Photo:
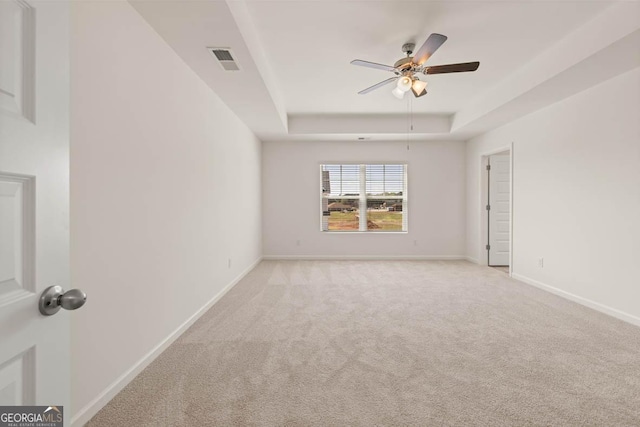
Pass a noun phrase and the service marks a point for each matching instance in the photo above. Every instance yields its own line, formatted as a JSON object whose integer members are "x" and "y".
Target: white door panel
{"x": 503, "y": 188}
{"x": 503, "y": 227}
{"x": 12, "y": 380}
{"x": 500, "y": 212}
{"x": 34, "y": 200}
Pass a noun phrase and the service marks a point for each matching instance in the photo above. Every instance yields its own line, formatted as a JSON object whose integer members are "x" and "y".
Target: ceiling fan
{"x": 405, "y": 69}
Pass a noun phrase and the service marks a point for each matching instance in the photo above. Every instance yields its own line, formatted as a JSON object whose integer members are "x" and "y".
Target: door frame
{"x": 484, "y": 200}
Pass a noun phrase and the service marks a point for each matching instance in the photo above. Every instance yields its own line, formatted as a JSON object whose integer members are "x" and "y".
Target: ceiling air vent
{"x": 225, "y": 58}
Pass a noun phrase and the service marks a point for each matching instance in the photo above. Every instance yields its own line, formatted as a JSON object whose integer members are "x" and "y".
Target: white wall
{"x": 576, "y": 195}
{"x": 165, "y": 189}
{"x": 291, "y": 200}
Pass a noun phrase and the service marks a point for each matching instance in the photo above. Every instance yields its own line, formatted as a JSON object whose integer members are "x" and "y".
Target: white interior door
{"x": 500, "y": 208}
{"x": 34, "y": 200}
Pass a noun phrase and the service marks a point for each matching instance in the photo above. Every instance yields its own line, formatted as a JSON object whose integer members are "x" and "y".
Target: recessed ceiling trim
{"x": 367, "y": 124}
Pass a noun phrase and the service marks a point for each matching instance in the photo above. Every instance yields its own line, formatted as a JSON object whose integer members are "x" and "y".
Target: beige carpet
{"x": 397, "y": 343}
{"x": 504, "y": 269}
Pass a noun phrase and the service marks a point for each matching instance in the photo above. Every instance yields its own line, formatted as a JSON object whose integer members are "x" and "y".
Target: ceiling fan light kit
{"x": 404, "y": 83}
{"x": 398, "y": 93}
{"x": 418, "y": 85}
{"x": 406, "y": 69}
{"x": 418, "y": 94}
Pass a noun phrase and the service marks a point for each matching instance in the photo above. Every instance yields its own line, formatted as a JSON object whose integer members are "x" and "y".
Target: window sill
{"x": 363, "y": 232}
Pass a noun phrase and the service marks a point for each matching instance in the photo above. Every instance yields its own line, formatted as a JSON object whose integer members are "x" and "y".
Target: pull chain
{"x": 409, "y": 121}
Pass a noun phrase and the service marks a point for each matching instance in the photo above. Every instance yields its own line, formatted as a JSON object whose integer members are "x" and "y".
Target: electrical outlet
{"x": 541, "y": 262}
{"x": 229, "y": 263}
{"x": 415, "y": 243}
{"x": 298, "y": 242}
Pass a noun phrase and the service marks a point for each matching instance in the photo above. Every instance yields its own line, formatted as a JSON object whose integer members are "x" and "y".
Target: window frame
{"x": 363, "y": 198}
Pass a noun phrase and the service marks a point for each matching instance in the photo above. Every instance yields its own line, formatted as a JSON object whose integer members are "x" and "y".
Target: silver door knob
{"x": 55, "y": 297}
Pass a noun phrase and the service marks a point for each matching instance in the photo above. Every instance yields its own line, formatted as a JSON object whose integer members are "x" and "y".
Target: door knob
{"x": 55, "y": 297}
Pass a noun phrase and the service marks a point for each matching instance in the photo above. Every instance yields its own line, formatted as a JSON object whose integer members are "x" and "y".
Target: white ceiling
{"x": 310, "y": 44}
{"x": 296, "y": 81}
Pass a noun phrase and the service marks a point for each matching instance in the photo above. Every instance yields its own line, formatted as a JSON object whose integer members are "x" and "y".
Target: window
{"x": 364, "y": 197}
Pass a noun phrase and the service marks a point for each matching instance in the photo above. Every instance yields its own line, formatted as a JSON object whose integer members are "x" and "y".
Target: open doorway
{"x": 497, "y": 202}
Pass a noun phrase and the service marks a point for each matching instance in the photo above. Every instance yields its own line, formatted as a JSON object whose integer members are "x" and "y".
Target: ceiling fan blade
{"x": 377, "y": 85}
{"x": 432, "y": 44}
{"x": 372, "y": 65}
{"x": 452, "y": 68}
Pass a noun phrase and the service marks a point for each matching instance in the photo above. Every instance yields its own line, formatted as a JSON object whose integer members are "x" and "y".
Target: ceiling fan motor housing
{"x": 408, "y": 48}
{"x": 404, "y": 64}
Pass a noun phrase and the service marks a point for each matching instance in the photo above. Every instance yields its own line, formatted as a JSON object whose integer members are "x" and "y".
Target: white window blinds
{"x": 361, "y": 197}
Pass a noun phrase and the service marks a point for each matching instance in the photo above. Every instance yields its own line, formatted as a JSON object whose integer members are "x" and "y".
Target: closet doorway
{"x": 498, "y": 208}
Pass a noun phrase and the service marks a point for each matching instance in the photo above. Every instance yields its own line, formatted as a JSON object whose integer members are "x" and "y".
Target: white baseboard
{"x": 473, "y": 260}
{"x": 92, "y": 408}
{"x": 580, "y": 300}
{"x": 365, "y": 257}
